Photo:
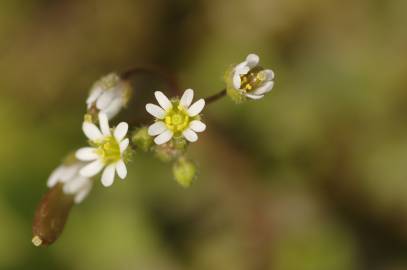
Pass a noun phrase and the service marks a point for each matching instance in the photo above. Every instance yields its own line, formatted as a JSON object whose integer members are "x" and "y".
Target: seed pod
{"x": 51, "y": 215}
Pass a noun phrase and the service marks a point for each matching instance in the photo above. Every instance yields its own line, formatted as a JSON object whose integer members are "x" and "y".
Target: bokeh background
{"x": 312, "y": 177}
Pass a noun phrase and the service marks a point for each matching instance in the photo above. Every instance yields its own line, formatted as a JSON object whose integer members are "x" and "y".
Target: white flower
{"x": 251, "y": 80}
{"x": 109, "y": 95}
{"x": 107, "y": 150}
{"x": 73, "y": 182}
{"x": 176, "y": 118}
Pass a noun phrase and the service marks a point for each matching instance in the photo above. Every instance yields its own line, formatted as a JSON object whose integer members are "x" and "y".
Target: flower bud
{"x": 51, "y": 215}
{"x": 141, "y": 139}
{"x": 184, "y": 171}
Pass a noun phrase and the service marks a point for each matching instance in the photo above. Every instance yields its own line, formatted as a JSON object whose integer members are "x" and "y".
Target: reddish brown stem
{"x": 215, "y": 97}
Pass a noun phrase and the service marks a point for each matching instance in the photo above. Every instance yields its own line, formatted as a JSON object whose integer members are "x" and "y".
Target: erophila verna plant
{"x": 175, "y": 125}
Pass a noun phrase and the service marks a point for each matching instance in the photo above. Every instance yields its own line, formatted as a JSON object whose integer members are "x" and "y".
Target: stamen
{"x": 253, "y": 79}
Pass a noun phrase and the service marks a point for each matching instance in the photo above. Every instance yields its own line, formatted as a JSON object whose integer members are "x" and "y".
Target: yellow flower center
{"x": 109, "y": 150}
{"x": 253, "y": 79}
{"x": 177, "y": 119}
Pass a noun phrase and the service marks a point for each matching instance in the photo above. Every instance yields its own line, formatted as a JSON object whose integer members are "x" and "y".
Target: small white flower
{"x": 73, "y": 182}
{"x": 176, "y": 118}
{"x": 107, "y": 150}
{"x": 251, "y": 80}
{"x": 109, "y": 95}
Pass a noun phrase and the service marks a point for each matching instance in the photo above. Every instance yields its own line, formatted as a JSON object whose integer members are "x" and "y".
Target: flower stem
{"x": 215, "y": 97}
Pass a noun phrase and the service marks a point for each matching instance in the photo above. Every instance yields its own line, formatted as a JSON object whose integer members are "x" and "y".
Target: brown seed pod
{"x": 51, "y": 215}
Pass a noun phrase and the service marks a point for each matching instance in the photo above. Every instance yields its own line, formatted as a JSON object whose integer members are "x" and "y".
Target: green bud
{"x": 50, "y": 216}
{"x": 141, "y": 139}
{"x": 184, "y": 171}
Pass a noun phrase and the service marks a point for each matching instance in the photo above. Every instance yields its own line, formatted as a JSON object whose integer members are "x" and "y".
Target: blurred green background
{"x": 312, "y": 177}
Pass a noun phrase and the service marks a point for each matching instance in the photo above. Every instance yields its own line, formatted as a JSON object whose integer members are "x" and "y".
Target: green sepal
{"x": 235, "y": 94}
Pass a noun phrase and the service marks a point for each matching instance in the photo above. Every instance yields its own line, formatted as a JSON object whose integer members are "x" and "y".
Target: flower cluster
{"x": 177, "y": 122}
{"x": 176, "y": 119}
{"x": 175, "y": 126}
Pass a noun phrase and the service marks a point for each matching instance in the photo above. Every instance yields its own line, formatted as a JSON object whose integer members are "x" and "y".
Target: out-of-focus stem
{"x": 168, "y": 77}
{"x": 215, "y": 97}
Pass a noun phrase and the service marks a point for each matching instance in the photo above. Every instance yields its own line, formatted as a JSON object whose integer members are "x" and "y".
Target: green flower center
{"x": 109, "y": 150}
{"x": 177, "y": 119}
{"x": 253, "y": 79}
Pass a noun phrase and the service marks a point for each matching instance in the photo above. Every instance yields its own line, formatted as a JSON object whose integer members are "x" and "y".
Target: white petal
{"x": 237, "y": 81}
{"x": 81, "y": 195}
{"x": 93, "y": 95}
{"x": 121, "y": 131}
{"x": 242, "y": 69}
{"x": 54, "y": 177}
{"x": 68, "y": 172}
{"x": 105, "y": 99}
{"x": 162, "y": 99}
{"x": 75, "y": 185}
{"x": 121, "y": 169}
{"x": 252, "y": 60}
{"x": 108, "y": 175}
{"x": 86, "y": 154}
{"x": 197, "y": 126}
{"x": 123, "y": 145}
{"x": 114, "y": 108}
{"x": 265, "y": 88}
{"x": 254, "y": 96}
{"x": 164, "y": 137}
{"x": 190, "y": 135}
{"x": 196, "y": 108}
{"x": 157, "y": 128}
{"x": 186, "y": 98}
{"x": 104, "y": 124}
{"x": 92, "y": 168}
{"x": 91, "y": 131}
{"x": 269, "y": 74}
{"x": 155, "y": 111}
